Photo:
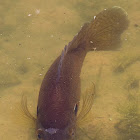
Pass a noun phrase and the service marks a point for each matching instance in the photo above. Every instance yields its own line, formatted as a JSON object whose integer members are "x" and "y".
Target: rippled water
{"x": 33, "y": 33}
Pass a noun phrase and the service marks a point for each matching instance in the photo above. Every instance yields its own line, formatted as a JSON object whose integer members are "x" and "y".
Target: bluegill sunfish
{"x": 59, "y": 95}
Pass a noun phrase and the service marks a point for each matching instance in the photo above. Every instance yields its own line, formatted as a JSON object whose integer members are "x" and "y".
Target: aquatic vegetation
{"x": 23, "y": 69}
{"x": 8, "y": 80}
{"x": 132, "y": 86}
{"x": 129, "y": 124}
{"x": 132, "y": 83}
{"x": 83, "y": 134}
{"x": 125, "y": 62}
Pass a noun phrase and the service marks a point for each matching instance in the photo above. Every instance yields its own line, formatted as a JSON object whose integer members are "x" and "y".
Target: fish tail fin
{"x": 104, "y": 31}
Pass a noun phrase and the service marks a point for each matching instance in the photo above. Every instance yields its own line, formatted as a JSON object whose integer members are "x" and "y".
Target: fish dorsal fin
{"x": 64, "y": 52}
{"x": 86, "y": 104}
{"x": 78, "y": 38}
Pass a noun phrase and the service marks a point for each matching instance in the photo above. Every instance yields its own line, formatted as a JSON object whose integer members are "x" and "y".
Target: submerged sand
{"x": 33, "y": 33}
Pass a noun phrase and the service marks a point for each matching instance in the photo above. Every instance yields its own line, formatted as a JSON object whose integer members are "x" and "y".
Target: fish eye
{"x": 39, "y": 136}
{"x": 39, "y": 133}
{"x": 75, "y": 109}
{"x": 71, "y": 133}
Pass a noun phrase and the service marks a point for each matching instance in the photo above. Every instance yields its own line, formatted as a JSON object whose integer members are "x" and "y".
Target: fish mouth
{"x": 51, "y": 130}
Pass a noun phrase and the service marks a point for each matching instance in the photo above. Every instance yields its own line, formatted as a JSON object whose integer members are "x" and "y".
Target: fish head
{"x": 67, "y": 133}
{"x": 57, "y": 117}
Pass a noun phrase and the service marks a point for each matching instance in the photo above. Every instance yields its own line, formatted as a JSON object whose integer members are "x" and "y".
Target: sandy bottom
{"x": 33, "y": 33}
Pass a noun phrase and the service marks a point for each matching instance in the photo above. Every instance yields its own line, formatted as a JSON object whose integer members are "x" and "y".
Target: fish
{"x": 60, "y": 92}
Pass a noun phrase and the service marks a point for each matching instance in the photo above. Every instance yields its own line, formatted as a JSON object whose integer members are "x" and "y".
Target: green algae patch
{"x": 129, "y": 123}
{"x": 126, "y": 60}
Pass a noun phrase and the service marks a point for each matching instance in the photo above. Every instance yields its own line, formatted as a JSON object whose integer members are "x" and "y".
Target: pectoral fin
{"x": 25, "y": 108}
{"x": 21, "y": 115}
{"x": 87, "y": 104}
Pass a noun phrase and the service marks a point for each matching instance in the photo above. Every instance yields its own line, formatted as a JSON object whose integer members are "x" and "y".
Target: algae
{"x": 125, "y": 61}
{"x": 129, "y": 123}
{"x": 132, "y": 83}
{"x": 23, "y": 69}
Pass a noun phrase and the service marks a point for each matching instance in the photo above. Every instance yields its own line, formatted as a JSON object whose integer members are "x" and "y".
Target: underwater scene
{"x": 33, "y": 34}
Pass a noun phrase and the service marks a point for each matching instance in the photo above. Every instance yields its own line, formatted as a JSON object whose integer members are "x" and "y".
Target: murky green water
{"x": 33, "y": 33}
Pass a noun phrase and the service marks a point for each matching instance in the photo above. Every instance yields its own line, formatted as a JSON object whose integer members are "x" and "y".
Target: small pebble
{"x": 29, "y": 15}
{"x": 110, "y": 119}
{"x": 37, "y": 11}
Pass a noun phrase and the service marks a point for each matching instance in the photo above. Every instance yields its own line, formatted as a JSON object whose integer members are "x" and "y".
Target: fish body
{"x": 60, "y": 91}
{"x": 59, "y": 98}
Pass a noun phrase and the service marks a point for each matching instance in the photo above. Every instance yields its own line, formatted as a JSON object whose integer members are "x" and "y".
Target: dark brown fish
{"x": 60, "y": 91}
{"x": 59, "y": 95}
